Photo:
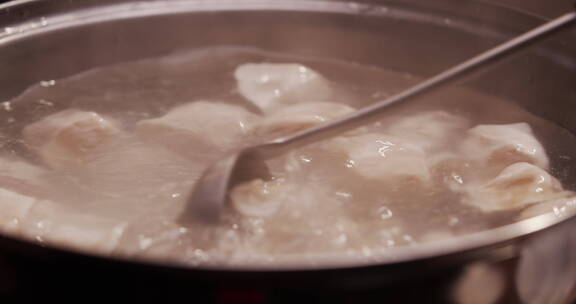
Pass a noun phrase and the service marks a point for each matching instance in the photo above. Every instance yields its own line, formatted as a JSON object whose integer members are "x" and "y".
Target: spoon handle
{"x": 372, "y": 112}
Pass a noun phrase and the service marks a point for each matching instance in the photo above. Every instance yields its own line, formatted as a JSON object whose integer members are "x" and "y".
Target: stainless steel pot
{"x": 533, "y": 261}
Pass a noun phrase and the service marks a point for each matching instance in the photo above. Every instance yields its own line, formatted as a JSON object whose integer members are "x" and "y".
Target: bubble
{"x": 385, "y": 213}
{"x": 7, "y": 106}
{"x": 47, "y": 83}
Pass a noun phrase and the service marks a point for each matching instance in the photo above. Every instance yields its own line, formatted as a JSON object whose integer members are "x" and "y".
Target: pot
{"x": 533, "y": 261}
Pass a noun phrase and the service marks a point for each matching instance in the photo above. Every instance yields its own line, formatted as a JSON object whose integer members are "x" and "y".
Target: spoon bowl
{"x": 211, "y": 193}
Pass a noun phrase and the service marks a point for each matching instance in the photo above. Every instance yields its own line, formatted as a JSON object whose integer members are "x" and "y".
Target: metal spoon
{"x": 211, "y": 190}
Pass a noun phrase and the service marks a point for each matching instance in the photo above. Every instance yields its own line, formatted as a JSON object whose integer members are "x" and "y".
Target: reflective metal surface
{"x": 521, "y": 263}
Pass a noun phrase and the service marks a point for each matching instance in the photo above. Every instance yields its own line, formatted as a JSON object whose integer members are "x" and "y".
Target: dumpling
{"x": 517, "y": 186}
{"x": 14, "y": 207}
{"x": 503, "y": 145}
{"x": 259, "y": 198}
{"x": 153, "y": 237}
{"x": 272, "y": 86}
{"x": 429, "y": 130}
{"x": 298, "y": 117}
{"x": 69, "y": 138}
{"x": 198, "y": 128}
{"x": 452, "y": 170}
{"x": 22, "y": 177}
{"x": 53, "y": 223}
{"x": 19, "y": 169}
{"x": 385, "y": 158}
{"x": 20, "y": 189}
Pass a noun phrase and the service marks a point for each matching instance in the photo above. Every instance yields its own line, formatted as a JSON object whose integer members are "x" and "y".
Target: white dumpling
{"x": 20, "y": 169}
{"x": 259, "y": 198}
{"x": 517, "y": 186}
{"x": 153, "y": 237}
{"x": 198, "y": 128}
{"x": 503, "y": 145}
{"x": 20, "y": 189}
{"x": 55, "y": 224}
{"x": 429, "y": 130}
{"x": 22, "y": 177}
{"x": 452, "y": 170}
{"x": 14, "y": 207}
{"x": 385, "y": 158}
{"x": 272, "y": 86}
{"x": 69, "y": 138}
{"x": 299, "y": 117}
{"x": 132, "y": 178}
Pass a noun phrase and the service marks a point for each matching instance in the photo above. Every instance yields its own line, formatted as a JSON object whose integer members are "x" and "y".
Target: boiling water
{"x": 145, "y": 185}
